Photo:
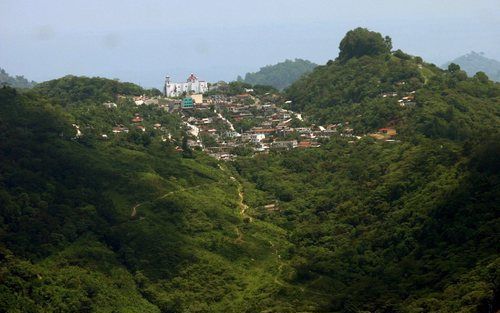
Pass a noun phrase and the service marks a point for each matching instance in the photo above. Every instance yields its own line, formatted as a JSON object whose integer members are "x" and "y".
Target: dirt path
{"x": 280, "y": 266}
{"x": 133, "y": 212}
{"x": 241, "y": 204}
{"x": 241, "y": 201}
{"x": 239, "y": 238}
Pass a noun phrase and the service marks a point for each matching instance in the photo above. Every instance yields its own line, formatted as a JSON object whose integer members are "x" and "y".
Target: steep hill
{"x": 389, "y": 89}
{"x": 124, "y": 223}
{"x": 476, "y": 62}
{"x": 97, "y": 221}
{"x": 404, "y": 225}
{"x": 280, "y": 75}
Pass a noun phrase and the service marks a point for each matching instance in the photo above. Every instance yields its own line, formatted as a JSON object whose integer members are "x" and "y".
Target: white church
{"x": 192, "y": 85}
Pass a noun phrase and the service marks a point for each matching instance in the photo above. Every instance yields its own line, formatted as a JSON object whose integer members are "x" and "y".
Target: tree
{"x": 186, "y": 150}
{"x": 482, "y": 77}
{"x": 388, "y": 42}
{"x": 453, "y": 68}
{"x": 361, "y": 41}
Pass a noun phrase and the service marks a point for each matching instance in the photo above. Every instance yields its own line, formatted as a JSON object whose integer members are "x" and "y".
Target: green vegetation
{"x": 476, "y": 62}
{"x": 360, "y": 42}
{"x": 75, "y": 90}
{"x": 14, "y": 82}
{"x": 404, "y": 226}
{"x": 280, "y": 75}
{"x": 124, "y": 224}
{"x": 129, "y": 223}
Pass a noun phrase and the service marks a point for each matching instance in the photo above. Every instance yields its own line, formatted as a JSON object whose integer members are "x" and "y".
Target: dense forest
{"x": 280, "y": 75}
{"x": 131, "y": 223}
{"x": 474, "y": 62}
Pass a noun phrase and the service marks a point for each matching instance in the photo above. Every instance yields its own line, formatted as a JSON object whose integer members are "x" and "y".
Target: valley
{"x": 368, "y": 185}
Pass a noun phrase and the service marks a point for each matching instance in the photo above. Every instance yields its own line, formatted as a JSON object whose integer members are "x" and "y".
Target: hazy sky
{"x": 142, "y": 41}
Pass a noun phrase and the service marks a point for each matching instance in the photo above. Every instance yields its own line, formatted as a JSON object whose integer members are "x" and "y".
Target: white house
{"x": 192, "y": 85}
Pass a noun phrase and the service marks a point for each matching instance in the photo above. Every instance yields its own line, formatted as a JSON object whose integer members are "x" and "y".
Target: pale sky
{"x": 142, "y": 41}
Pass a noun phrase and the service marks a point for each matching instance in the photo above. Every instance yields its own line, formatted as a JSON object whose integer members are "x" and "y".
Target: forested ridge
{"x": 130, "y": 223}
{"x": 280, "y": 75}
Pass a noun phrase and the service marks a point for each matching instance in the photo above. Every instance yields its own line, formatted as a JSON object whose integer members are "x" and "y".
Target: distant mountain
{"x": 280, "y": 75}
{"x": 15, "y": 82}
{"x": 476, "y": 62}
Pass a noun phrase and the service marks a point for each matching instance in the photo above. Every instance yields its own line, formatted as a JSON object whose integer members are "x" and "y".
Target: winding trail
{"x": 280, "y": 266}
{"x": 133, "y": 212}
{"x": 241, "y": 202}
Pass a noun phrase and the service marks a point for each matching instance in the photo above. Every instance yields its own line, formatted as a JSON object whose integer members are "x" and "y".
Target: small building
{"x": 137, "y": 119}
{"x": 109, "y": 105}
{"x": 384, "y": 134}
{"x": 265, "y": 131}
{"x": 304, "y": 145}
{"x": 391, "y": 132}
{"x": 257, "y": 138}
{"x": 286, "y": 144}
{"x": 197, "y": 98}
{"x": 120, "y": 129}
{"x": 271, "y": 207}
{"x": 187, "y": 103}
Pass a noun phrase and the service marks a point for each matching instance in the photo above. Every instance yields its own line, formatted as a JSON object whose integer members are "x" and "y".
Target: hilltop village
{"x": 227, "y": 125}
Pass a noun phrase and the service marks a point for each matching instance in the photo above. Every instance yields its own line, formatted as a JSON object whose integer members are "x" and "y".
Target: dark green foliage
{"x": 119, "y": 225}
{"x": 360, "y": 42}
{"x": 72, "y": 89}
{"x": 280, "y": 75}
{"x": 130, "y": 224}
{"x": 406, "y": 226}
{"x": 389, "y": 227}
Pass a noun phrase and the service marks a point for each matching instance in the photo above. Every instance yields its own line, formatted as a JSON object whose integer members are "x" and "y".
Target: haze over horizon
{"x": 142, "y": 42}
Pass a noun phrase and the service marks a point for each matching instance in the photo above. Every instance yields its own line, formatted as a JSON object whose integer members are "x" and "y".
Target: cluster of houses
{"x": 221, "y": 124}
{"x": 273, "y": 128}
{"x": 407, "y": 100}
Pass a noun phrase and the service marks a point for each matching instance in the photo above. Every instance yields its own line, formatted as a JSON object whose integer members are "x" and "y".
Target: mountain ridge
{"x": 138, "y": 221}
{"x": 279, "y": 75}
{"x": 474, "y": 62}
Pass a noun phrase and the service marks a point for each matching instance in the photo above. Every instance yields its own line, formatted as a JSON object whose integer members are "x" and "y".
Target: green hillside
{"x": 126, "y": 224}
{"x": 280, "y": 75}
{"x": 406, "y": 225}
{"x": 364, "y": 90}
{"x": 97, "y": 219}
